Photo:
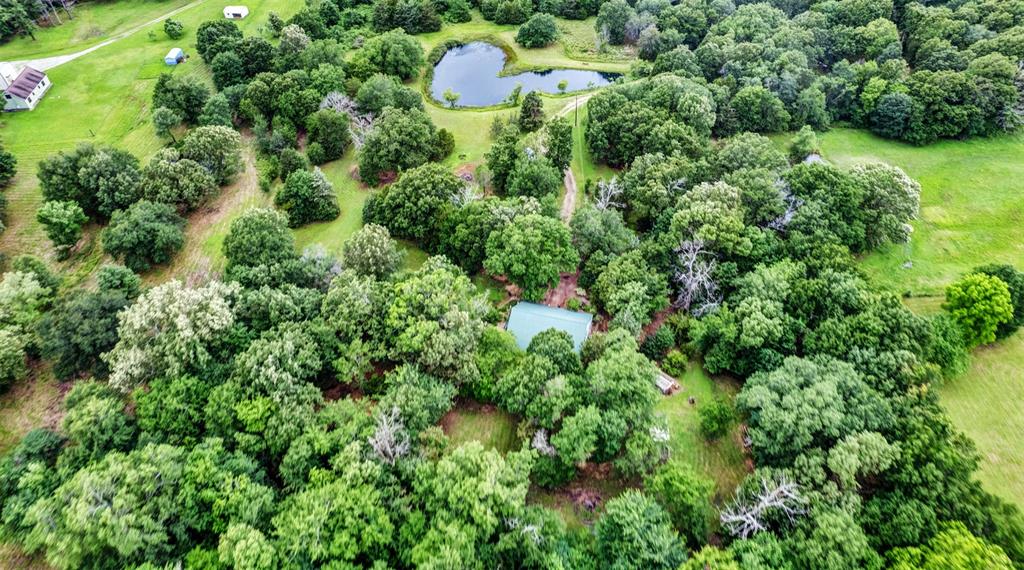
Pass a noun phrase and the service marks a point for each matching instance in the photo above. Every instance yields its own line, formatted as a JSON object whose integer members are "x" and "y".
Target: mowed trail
{"x": 569, "y": 202}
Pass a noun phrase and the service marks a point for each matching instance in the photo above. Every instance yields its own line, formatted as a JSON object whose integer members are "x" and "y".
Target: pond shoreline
{"x": 488, "y": 83}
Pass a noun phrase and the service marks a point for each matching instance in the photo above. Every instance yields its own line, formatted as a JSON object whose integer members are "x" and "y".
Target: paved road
{"x": 45, "y": 63}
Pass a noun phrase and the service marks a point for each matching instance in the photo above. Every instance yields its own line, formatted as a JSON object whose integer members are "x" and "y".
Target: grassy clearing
{"x": 103, "y": 97}
{"x": 721, "y": 460}
{"x": 492, "y": 427}
{"x": 987, "y": 403}
{"x": 583, "y": 165}
{"x": 574, "y": 49}
{"x": 561, "y": 500}
{"x": 351, "y": 197}
{"x": 93, "y": 23}
{"x": 972, "y": 206}
{"x": 31, "y": 403}
{"x": 208, "y": 226}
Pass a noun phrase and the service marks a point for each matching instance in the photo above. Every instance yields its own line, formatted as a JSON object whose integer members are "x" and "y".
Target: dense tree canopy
{"x": 290, "y": 409}
{"x": 531, "y": 251}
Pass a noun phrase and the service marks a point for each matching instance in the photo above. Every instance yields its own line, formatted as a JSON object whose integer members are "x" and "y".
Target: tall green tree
{"x": 532, "y": 252}
{"x": 979, "y": 303}
{"x": 634, "y": 532}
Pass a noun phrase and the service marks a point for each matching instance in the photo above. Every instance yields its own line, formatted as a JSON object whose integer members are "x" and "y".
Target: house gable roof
{"x": 26, "y": 82}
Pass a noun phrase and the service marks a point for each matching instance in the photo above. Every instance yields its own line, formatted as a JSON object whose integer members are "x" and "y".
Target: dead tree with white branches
{"x": 608, "y": 194}
{"x": 694, "y": 275}
{"x": 360, "y": 123}
{"x": 389, "y": 441}
{"x": 750, "y": 510}
{"x": 541, "y": 444}
{"x": 793, "y": 204}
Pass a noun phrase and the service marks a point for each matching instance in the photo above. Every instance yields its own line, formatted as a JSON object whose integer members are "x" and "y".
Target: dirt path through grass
{"x": 45, "y": 63}
{"x": 569, "y": 203}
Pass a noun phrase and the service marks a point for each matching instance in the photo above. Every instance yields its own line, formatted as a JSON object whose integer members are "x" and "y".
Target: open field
{"x": 972, "y": 206}
{"x": 987, "y": 403}
{"x": 93, "y": 22}
{"x": 103, "y": 97}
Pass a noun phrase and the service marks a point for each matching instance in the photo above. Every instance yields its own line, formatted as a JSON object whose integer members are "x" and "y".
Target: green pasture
{"x": 102, "y": 97}
{"x": 972, "y": 206}
{"x": 972, "y": 212}
{"x": 987, "y": 403}
{"x": 92, "y": 23}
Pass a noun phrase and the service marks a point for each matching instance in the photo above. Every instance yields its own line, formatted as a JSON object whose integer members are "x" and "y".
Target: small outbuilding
{"x": 527, "y": 320}
{"x": 174, "y": 57}
{"x": 23, "y": 91}
{"x": 235, "y": 12}
{"x": 667, "y": 384}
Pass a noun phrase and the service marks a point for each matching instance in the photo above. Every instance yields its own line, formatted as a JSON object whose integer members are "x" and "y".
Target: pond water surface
{"x": 471, "y": 70}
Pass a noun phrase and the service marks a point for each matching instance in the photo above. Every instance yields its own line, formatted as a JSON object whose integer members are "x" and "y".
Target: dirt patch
{"x": 559, "y": 295}
{"x": 339, "y": 391}
{"x": 659, "y": 319}
{"x": 466, "y": 172}
{"x": 569, "y": 202}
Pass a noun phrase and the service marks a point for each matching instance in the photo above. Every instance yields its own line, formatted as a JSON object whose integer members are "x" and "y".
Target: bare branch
{"x": 390, "y": 440}
{"x": 608, "y": 194}
{"x": 793, "y": 204}
{"x": 540, "y": 443}
{"x": 698, "y": 290}
{"x": 360, "y": 123}
{"x": 746, "y": 515}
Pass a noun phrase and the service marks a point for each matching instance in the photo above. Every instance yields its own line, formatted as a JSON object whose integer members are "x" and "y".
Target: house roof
{"x": 527, "y": 320}
{"x": 26, "y": 82}
{"x": 175, "y": 52}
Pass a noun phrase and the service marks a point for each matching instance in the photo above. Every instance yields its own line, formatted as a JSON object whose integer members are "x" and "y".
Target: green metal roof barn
{"x": 529, "y": 319}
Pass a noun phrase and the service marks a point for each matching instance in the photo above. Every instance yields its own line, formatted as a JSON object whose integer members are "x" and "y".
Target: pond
{"x": 472, "y": 70}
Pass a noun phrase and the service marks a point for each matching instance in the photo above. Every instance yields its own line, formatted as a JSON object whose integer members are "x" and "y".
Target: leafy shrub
{"x": 539, "y": 31}
{"x": 716, "y": 417}
{"x": 315, "y": 154}
{"x": 656, "y": 345}
{"x": 675, "y": 363}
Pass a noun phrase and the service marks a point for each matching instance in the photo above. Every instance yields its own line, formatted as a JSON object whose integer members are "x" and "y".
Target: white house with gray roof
{"x": 22, "y": 90}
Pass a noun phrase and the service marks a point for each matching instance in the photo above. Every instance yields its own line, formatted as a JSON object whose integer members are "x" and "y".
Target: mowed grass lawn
{"x": 721, "y": 460}
{"x": 987, "y": 403}
{"x": 491, "y": 426}
{"x": 972, "y": 206}
{"x": 103, "y": 97}
{"x": 93, "y": 22}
